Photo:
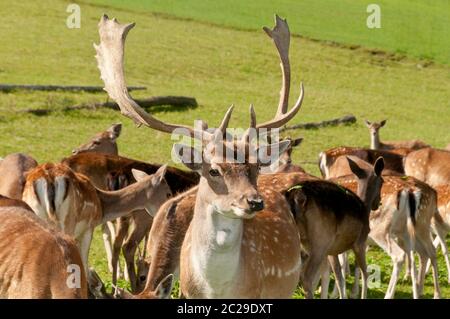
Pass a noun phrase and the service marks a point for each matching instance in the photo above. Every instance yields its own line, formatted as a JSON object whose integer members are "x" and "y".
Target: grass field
{"x": 418, "y": 28}
{"x": 220, "y": 65}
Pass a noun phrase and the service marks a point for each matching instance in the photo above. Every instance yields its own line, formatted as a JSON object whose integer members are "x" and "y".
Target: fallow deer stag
{"x": 70, "y": 202}
{"x": 401, "y": 225}
{"x": 109, "y": 172}
{"x": 395, "y": 146}
{"x": 36, "y": 260}
{"x": 103, "y": 142}
{"x": 429, "y": 165}
{"x": 223, "y": 253}
{"x": 328, "y": 166}
{"x": 13, "y": 170}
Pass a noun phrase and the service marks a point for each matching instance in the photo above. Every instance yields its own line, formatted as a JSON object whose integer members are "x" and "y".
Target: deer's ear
{"x": 164, "y": 289}
{"x": 270, "y": 153}
{"x": 378, "y": 166}
{"x": 115, "y": 130}
{"x": 138, "y": 175}
{"x": 189, "y": 156}
{"x": 368, "y": 124}
{"x": 358, "y": 171}
{"x": 382, "y": 123}
{"x": 296, "y": 142}
{"x": 159, "y": 175}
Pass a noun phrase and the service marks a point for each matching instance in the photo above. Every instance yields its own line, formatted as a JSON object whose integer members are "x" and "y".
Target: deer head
{"x": 228, "y": 165}
{"x": 162, "y": 291}
{"x": 374, "y": 129}
{"x": 103, "y": 142}
{"x": 369, "y": 181}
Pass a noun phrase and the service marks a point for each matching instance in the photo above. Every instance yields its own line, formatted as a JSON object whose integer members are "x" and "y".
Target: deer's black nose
{"x": 256, "y": 204}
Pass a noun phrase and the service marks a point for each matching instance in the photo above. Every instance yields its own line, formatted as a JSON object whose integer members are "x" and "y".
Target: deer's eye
{"x": 142, "y": 278}
{"x": 214, "y": 172}
{"x": 169, "y": 195}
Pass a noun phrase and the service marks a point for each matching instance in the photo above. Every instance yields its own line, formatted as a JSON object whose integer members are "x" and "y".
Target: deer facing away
{"x": 36, "y": 260}
{"x": 71, "y": 203}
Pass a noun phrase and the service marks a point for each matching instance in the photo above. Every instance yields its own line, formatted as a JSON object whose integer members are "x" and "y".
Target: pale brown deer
{"x": 429, "y": 165}
{"x": 284, "y": 163}
{"x": 13, "y": 170}
{"x": 111, "y": 172}
{"x": 401, "y": 225}
{"x": 69, "y": 201}
{"x": 37, "y": 261}
{"x": 223, "y": 251}
{"x": 103, "y": 142}
{"x": 376, "y": 144}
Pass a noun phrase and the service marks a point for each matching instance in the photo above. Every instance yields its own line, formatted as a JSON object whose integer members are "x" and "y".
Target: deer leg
{"x": 397, "y": 255}
{"x": 325, "y": 282}
{"x": 84, "y": 245}
{"x": 345, "y": 266}
{"x": 336, "y": 267}
{"x": 122, "y": 230}
{"x": 407, "y": 267}
{"x": 440, "y": 239}
{"x": 310, "y": 272}
{"x": 107, "y": 242}
{"x": 426, "y": 250}
{"x": 142, "y": 223}
{"x": 360, "y": 257}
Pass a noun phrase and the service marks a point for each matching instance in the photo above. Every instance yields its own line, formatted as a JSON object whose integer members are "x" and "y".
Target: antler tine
{"x": 226, "y": 119}
{"x": 284, "y": 118}
{"x": 110, "y": 53}
{"x": 281, "y": 37}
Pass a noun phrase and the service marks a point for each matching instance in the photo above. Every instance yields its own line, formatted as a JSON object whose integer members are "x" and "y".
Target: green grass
{"x": 218, "y": 66}
{"x": 419, "y": 28}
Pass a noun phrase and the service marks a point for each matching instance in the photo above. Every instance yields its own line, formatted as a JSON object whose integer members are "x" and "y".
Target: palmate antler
{"x": 110, "y": 56}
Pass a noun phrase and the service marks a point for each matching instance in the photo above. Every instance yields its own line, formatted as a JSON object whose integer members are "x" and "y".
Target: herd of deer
{"x": 227, "y": 229}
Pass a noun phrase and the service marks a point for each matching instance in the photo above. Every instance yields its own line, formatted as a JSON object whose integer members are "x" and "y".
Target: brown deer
{"x": 103, "y": 142}
{"x": 13, "y": 170}
{"x": 429, "y": 165}
{"x": 332, "y": 220}
{"x": 401, "y": 225}
{"x": 328, "y": 166}
{"x": 70, "y": 202}
{"x": 111, "y": 172}
{"x": 376, "y": 144}
{"x": 36, "y": 260}
{"x": 223, "y": 251}
{"x": 284, "y": 163}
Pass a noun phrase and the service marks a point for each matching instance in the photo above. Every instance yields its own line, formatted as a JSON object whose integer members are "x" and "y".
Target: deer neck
{"x": 119, "y": 203}
{"x": 215, "y": 249}
{"x": 375, "y": 141}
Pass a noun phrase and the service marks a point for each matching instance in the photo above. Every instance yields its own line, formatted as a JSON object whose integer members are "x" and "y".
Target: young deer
{"x": 401, "y": 225}
{"x": 332, "y": 220}
{"x": 71, "y": 203}
{"x": 109, "y": 172}
{"x": 13, "y": 170}
{"x": 103, "y": 142}
{"x": 223, "y": 251}
{"x": 376, "y": 144}
{"x": 36, "y": 260}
